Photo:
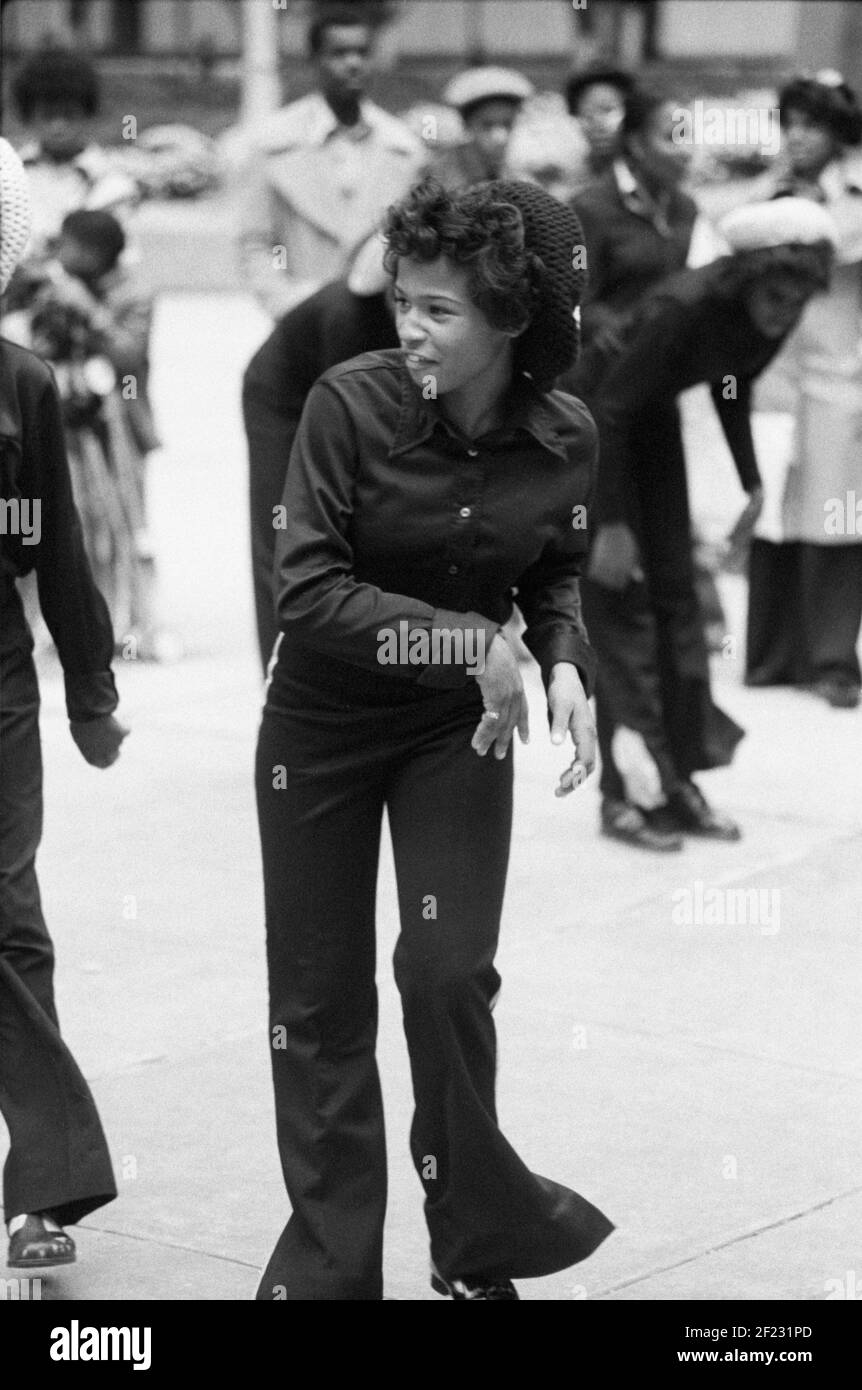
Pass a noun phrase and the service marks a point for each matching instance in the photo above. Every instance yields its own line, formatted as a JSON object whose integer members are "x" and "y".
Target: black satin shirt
{"x": 391, "y": 515}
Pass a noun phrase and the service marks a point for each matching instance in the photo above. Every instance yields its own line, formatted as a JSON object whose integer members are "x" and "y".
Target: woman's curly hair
{"x": 477, "y": 232}
{"x": 516, "y": 243}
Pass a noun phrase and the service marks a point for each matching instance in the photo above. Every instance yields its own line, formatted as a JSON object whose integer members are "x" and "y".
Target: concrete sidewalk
{"x": 700, "y": 1081}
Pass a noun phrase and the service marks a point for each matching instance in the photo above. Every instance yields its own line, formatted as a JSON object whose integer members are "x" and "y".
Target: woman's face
{"x": 775, "y": 302}
{"x": 447, "y": 341}
{"x": 600, "y": 111}
{"x": 490, "y": 128}
{"x": 657, "y": 148}
{"x": 809, "y": 143}
{"x": 60, "y": 128}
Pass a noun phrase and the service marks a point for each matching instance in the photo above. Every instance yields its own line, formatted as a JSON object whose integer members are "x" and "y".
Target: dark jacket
{"x": 329, "y": 327}
{"x": 35, "y": 483}
{"x": 630, "y": 246}
{"x": 690, "y": 331}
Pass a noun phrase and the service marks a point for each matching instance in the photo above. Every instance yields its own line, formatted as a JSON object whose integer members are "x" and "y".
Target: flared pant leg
{"x": 320, "y": 807}
{"x": 58, "y": 1159}
{"x": 322, "y": 781}
{"x": 450, "y": 814}
{"x": 804, "y": 612}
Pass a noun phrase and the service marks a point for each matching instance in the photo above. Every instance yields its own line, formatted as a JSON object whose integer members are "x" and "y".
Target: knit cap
{"x": 552, "y": 231}
{"x": 15, "y": 215}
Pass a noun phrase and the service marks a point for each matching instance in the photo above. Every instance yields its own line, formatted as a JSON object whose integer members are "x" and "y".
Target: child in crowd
{"x": 91, "y": 318}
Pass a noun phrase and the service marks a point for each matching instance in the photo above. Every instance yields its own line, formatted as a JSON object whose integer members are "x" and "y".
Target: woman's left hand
{"x": 569, "y": 711}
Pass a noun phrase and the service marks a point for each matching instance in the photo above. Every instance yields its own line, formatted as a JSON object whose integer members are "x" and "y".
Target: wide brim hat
{"x": 15, "y": 212}
{"x": 553, "y": 233}
{"x": 476, "y": 85}
{"x": 826, "y": 98}
{"x": 779, "y": 222}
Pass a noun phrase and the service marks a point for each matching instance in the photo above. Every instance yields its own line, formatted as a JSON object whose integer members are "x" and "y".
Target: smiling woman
{"x": 424, "y": 485}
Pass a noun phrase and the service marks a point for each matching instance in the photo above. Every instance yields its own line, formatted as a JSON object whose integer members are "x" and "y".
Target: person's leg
{"x": 450, "y": 815}
{"x": 699, "y": 735}
{"x": 831, "y": 584}
{"x": 623, "y": 631}
{"x": 320, "y": 811}
{"x": 775, "y": 649}
{"x": 58, "y": 1159}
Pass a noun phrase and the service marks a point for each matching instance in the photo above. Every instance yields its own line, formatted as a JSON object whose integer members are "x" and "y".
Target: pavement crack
{"x": 750, "y": 1234}
{"x": 168, "y": 1245}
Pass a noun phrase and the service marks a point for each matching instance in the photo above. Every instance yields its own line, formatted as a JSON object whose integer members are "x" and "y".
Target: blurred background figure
{"x": 805, "y": 573}
{"x": 722, "y": 322}
{"x": 637, "y": 222}
{"x": 596, "y": 97}
{"x": 90, "y": 318}
{"x": 489, "y": 101}
{"x": 339, "y": 321}
{"x": 321, "y": 170}
{"x": 57, "y": 95}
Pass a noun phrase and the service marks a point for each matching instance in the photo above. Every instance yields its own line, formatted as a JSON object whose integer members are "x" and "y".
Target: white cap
{"x": 15, "y": 214}
{"x": 487, "y": 84}
{"x": 780, "y": 222}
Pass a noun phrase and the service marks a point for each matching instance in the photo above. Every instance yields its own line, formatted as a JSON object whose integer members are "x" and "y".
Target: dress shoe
{"x": 35, "y": 1246}
{"x": 624, "y": 821}
{"x": 687, "y": 810}
{"x": 496, "y": 1289}
{"x": 840, "y": 694}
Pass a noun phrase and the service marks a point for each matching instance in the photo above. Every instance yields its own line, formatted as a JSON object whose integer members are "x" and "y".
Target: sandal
{"x": 35, "y": 1246}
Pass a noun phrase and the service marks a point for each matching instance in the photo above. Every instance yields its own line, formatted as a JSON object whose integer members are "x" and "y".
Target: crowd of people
{"x": 465, "y": 420}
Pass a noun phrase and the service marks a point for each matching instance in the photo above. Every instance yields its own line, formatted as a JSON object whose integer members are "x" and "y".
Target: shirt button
{"x": 472, "y": 453}
{"x": 465, "y": 512}
{"x": 453, "y": 569}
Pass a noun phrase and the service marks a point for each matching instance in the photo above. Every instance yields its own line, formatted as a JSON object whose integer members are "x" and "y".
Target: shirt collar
{"x": 526, "y": 410}
{"x": 636, "y": 198}
{"x": 324, "y": 124}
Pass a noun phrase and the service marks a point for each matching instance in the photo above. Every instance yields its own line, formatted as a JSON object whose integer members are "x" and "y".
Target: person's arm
{"x": 549, "y": 592}
{"x": 276, "y": 287}
{"x": 74, "y": 610}
{"x": 318, "y": 597}
{"x": 732, "y": 402}
{"x": 274, "y": 388}
{"x": 595, "y": 314}
{"x": 122, "y": 332}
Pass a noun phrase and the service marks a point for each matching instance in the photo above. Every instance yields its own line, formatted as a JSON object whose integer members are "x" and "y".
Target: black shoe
{"x": 624, "y": 821}
{"x": 688, "y": 811}
{"x": 34, "y": 1246}
{"x": 496, "y": 1289}
{"x": 840, "y": 694}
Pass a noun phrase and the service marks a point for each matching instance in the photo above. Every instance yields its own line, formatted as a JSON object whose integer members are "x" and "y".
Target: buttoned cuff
{"x": 460, "y": 643}
{"x": 90, "y": 696}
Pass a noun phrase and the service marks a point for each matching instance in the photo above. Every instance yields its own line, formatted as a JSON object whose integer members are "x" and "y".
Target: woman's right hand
{"x": 505, "y": 701}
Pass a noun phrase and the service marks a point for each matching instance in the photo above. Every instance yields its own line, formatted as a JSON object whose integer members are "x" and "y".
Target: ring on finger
{"x": 491, "y": 714}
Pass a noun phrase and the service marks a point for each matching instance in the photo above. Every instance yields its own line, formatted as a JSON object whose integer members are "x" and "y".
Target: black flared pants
{"x": 804, "y": 613}
{"x": 334, "y": 750}
{"x": 653, "y": 672}
{"x": 58, "y": 1159}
